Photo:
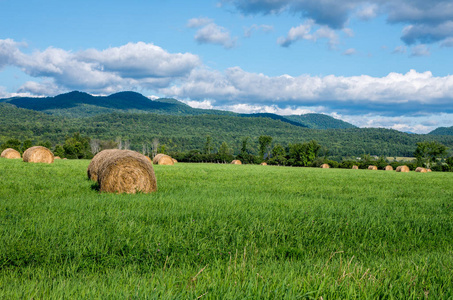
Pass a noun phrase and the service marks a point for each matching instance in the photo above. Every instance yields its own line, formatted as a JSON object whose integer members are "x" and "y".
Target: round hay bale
{"x": 57, "y": 157}
{"x": 325, "y": 166}
{"x": 157, "y": 157}
{"x": 388, "y": 168}
{"x": 263, "y": 163}
{"x": 403, "y": 169}
{"x": 174, "y": 160}
{"x": 96, "y": 161}
{"x": 428, "y": 170}
{"x": 10, "y": 153}
{"x": 165, "y": 160}
{"x": 38, "y": 154}
{"x": 236, "y": 162}
{"x": 148, "y": 158}
{"x": 125, "y": 171}
{"x": 372, "y": 167}
{"x": 355, "y": 167}
{"x": 421, "y": 170}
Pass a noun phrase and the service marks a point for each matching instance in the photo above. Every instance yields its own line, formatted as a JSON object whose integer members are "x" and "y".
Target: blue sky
{"x": 382, "y": 63}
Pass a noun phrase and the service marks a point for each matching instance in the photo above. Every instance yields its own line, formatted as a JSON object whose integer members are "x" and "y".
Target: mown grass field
{"x": 226, "y": 232}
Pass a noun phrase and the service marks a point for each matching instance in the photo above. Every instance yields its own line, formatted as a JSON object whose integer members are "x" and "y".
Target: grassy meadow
{"x": 226, "y": 231}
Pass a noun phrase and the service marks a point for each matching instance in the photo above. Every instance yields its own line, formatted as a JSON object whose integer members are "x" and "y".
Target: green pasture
{"x": 226, "y": 232}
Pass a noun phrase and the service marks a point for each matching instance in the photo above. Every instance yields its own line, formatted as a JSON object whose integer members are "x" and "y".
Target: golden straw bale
{"x": 165, "y": 160}
{"x": 388, "y": 168}
{"x": 174, "y": 160}
{"x": 157, "y": 157}
{"x": 97, "y": 160}
{"x": 57, "y": 157}
{"x": 421, "y": 170}
{"x": 372, "y": 167}
{"x": 148, "y": 158}
{"x": 38, "y": 154}
{"x": 236, "y": 162}
{"x": 355, "y": 167}
{"x": 126, "y": 171}
{"x": 263, "y": 163}
{"x": 10, "y": 153}
{"x": 325, "y": 166}
{"x": 428, "y": 170}
{"x": 404, "y": 169}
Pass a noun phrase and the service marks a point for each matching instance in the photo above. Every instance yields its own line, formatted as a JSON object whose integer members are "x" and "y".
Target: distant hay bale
{"x": 10, "y": 153}
{"x": 428, "y": 170}
{"x": 421, "y": 170}
{"x": 236, "y": 162}
{"x": 174, "y": 160}
{"x": 148, "y": 158}
{"x": 355, "y": 167}
{"x": 165, "y": 160}
{"x": 372, "y": 167}
{"x": 38, "y": 154}
{"x": 157, "y": 157}
{"x": 57, "y": 157}
{"x": 388, "y": 168}
{"x": 263, "y": 163}
{"x": 96, "y": 161}
{"x": 126, "y": 171}
{"x": 325, "y": 166}
{"x": 403, "y": 169}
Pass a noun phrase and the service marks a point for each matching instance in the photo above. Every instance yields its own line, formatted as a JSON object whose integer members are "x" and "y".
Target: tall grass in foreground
{"x": 226, "y": 231}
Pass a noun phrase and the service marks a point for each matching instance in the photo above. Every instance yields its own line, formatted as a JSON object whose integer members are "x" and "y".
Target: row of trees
{"x": 309, "y": 154}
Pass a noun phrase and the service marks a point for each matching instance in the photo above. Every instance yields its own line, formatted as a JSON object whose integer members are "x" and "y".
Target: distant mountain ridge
{"x": 442, "y": 131}
{"x": 79, "y": 104}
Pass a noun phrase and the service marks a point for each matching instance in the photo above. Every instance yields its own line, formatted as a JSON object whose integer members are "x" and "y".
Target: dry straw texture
{"x": 404, "y": 169}
{"x": 97, "y": 160}
{"x": 388, "y": 168}
{"x": 421, "y": 170}
{"x": 372, "y": 167}
{"x": 10, "y": 153}
{"x": 355, "y": 167}
{"x": 236, "y": 162}
{"x": 165, "y": 160}
{"x": 325, "y": 166}
{"x": 38, "y": 154}
{"x": 263, "y": 164}
{"x": 174, "y": 160}
{"x": 125, "y": 171}
{"x": 157, "y": 157}
{"x": 428, "y": 170}
{"x": 57, "y": 157}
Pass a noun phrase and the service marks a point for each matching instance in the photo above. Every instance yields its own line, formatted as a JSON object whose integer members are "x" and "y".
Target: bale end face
{"x": 236, "y": 162}
{"x": 10, "y": 153}
{"x": 38, "y": 154}
{"x": 404, "y": 169}
{"x": 372, "y": 168}
{"x": 325, "y": 166}
{"x": 126, "y": 172}
{"x": 388, "y": 168}
{"x": 355, "y": 167}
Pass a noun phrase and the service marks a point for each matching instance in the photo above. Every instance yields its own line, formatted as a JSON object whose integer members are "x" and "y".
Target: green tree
{"x": 427, "y": 153}
{"x": 11, "y": 143}
{"x": 449, "y": 162}
{"x": 265, "y": 142}
{"x": 208, "y": 145}
{"x": 278, "y": 156}
{"x": 59, "y": 151}
{"x": 27, "y": 144}
{"x": 224, "y": 153}
{"x": 77, "y": 146}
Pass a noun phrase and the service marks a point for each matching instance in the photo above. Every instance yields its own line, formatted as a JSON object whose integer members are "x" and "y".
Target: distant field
{"x": 400, "y": 158}
{"x": 226, "y": 231}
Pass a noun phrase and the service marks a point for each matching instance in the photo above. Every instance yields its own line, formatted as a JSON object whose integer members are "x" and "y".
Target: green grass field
{"x": 226, "y": 232}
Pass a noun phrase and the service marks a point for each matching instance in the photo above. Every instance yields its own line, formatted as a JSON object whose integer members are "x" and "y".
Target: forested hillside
{"x": 442, "y": 131}
{"x": 181, "y": 133}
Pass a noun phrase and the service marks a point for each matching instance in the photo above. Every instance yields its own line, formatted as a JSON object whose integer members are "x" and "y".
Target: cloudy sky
{"x": 380, "y": 63}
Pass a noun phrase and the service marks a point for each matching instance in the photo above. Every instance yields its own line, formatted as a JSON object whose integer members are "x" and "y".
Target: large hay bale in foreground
{"x": 421, "y": 170}
{"x": 236, "y": 162}
{"x": 403, "y": 169}
{"x": 125, "y": 171}
{"x": 388, "y": 168}
{"x": 96, "y": 161}
{"x": 325, "y": 166}
{"x": 372, "y": 167}
{"x": 354, "y": 167}
{"x": 38, "y": 154}
{"x": 10, "y": 153}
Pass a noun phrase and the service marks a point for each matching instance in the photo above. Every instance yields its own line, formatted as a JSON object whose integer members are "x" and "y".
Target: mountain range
{"x": 79, "y": 104}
